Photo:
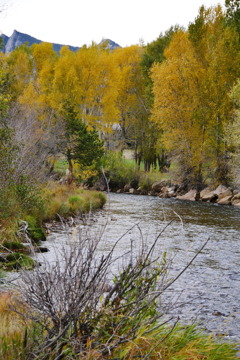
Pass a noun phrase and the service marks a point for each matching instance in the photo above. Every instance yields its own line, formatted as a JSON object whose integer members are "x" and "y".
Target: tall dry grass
{"x": 12, "y": 328}
{"x": 69, "y": 200}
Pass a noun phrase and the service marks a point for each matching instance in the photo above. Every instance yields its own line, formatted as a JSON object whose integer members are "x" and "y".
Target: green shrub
{"x": 13, "y": 245}
{"x": 36, "y": 232}
{"x": 17, "y": 261}
{"x": 29, "y": 196}
{"x": 118, "y": 170}
{"x": 64, "y": 209}
{"x": 101, "y": 197}
{"x": 76, "y": 203}
{"x": 60, "y": 166}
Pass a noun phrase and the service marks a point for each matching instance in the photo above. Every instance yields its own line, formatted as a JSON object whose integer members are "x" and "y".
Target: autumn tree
{"x": 191, "y": 94}
{"x": 232, "y": 134}
{"x": 151, "y": 149}
{"x": 127, "y": 86}
{"x": 154, "y": 53}
{"x": 176, "y": 104}
{"x": 85, "y": 79}
{"x": 29, "y": 114}
{"x": 217, "y": 48}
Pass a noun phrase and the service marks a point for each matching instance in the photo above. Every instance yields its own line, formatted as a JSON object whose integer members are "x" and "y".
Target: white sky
{"x": 78, "y": 22}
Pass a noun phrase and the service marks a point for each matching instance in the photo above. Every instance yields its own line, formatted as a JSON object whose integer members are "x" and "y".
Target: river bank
{"x": 221, "y": 195}
{"x": 23, "y": 236}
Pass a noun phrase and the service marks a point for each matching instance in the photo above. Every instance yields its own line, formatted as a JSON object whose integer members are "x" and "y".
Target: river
{"x": 208, "y": 293}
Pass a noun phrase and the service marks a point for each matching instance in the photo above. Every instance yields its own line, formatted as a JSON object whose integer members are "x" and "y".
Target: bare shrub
{"x": 79, "y": 307}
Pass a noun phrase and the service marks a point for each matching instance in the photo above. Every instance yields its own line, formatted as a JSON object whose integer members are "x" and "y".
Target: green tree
{"x": 1, "y": 43}
{"x": 7, "y": 147}
{"x": 79, "y": 144}
{"x": 233, "y": 14}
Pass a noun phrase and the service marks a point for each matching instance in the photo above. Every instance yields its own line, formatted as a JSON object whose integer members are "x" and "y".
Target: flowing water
{"x": 208, "y": 292}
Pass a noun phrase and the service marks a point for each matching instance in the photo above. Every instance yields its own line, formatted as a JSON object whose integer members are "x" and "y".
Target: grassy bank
{"x": 27, "y": 224}
{"x": 69, "y": 200}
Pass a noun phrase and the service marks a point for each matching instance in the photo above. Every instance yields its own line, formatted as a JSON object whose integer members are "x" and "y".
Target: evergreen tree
{"x": 79, "y": 143}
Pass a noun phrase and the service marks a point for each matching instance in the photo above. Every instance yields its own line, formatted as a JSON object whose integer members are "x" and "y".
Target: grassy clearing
{"x": 65, "y": 200}
{"x": 121, "y": 171}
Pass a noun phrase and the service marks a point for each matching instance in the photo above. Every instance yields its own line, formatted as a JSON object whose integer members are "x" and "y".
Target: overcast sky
{"x": 78, "y": 22}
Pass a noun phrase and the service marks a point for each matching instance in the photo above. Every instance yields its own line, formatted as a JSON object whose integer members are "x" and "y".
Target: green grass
{"x": 180, "y": 343}
{"x": 60, "y": 166}
{"x": 68, "y": 200}
{"x": 16, "y": 261}
{"x": 17, "y": 339}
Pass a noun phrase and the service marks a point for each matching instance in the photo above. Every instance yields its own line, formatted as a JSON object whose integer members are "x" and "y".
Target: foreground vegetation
{"x": 181, "y": 343}
{"x": 76, "y": 309}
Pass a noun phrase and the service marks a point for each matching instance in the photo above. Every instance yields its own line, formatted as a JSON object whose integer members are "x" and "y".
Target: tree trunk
{"x": 70, "y": 167}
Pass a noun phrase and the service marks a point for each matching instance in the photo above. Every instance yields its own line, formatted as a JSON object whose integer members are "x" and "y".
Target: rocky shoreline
{"x": 221, "y": 195}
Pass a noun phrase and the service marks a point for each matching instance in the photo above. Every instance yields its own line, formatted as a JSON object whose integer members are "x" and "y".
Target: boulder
{"x": 224, "y": 194}
{"x": 100, "y": 186}
{"x": 172, "y": 191}
{"x": 182, "y": 188}
{"x": 126, "y": 188}
{"x": 164, "y": 190}
{"x": 208, "y": 194}
{"x": 143, "y": 192}
{"x": 225, "y": 201}
{"x": 236, "y": 196}
{"x": 236, "y": 203}
{"x": 220, "y": 189}
{"x": 164, "y": 195}
{"x": 157, "y": 186}
{"x": 190, "y": 195}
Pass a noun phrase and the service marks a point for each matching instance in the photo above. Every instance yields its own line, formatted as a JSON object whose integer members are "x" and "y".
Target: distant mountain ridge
{"x": 17, "y": 38}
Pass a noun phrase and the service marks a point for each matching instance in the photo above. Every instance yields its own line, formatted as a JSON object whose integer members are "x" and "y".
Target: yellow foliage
{"x": 176, "y": 88}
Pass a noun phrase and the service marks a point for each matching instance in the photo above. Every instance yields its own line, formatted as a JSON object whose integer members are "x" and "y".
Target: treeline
{"x": 173, "y": 100}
